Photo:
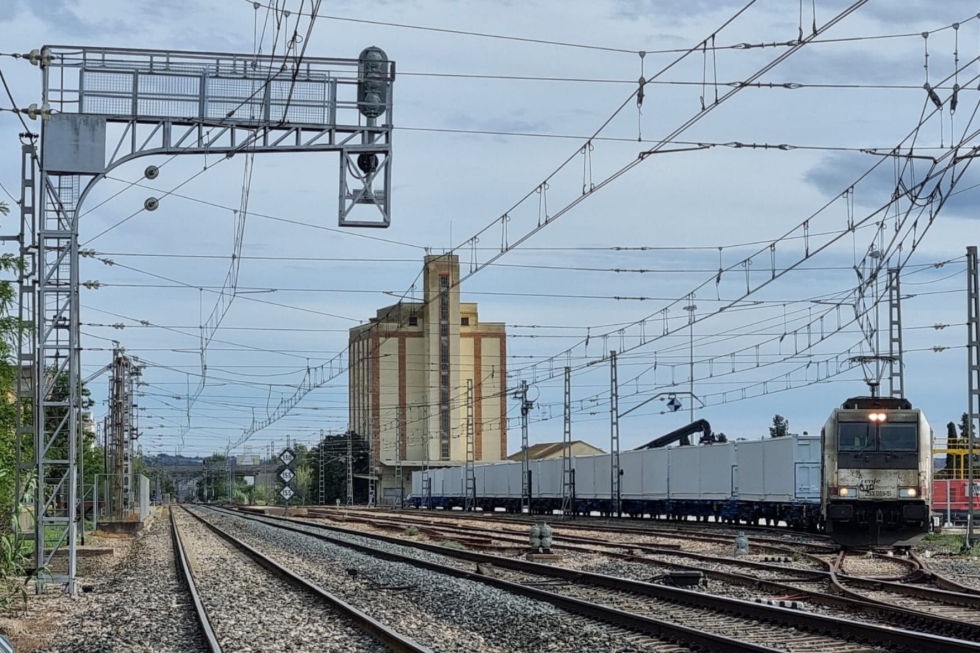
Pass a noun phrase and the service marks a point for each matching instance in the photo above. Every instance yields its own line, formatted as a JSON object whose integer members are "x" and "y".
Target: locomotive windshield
{"x": 898, "y": 437}
{"x": 856, "y": 436}
{"x": 868, "y": 436}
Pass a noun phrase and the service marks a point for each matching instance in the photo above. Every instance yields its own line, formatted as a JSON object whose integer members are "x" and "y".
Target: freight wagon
{"x": 776, "y": 479}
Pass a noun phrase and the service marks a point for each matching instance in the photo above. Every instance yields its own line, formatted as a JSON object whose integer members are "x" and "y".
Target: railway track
{"x": 765, "y": 625}
{"x": 936, "y": 611}
{"x": 232, "y": 600}
{"x": 922, "y": 598}
{"x": 682, "y": 530}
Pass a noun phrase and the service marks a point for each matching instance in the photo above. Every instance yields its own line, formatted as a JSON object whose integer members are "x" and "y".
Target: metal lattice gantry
{"x": 103, "y": 107}
{"x": 896, "y": 369}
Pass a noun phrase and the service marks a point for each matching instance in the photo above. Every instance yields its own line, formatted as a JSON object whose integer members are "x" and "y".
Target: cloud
{"x": 838, "y": 171}
{"x": 918, "y": 10}
{"x": 671, "y": 10}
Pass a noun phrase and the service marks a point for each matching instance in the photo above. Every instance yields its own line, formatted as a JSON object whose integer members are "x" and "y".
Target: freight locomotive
{"x": 877, "y": 473}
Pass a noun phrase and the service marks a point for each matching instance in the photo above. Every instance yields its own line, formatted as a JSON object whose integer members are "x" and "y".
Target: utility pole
{"x": 323, "y": 482}
{"x": 426, "y": 479}
{"x": 398, "y": 460}
{"x": 371, "y": 488}
{"x": 614, "y": 494}
{"x": 568, "y": 489}
{"x": 973, "y": 370}
{"x": 690, "y": 308}
{"x": 470, "y": 501}
{"x": 896, "y": 368}
{"x": 525, "y": 460}
{"x": 119, "y": 437}
{"x": 350, "y": 466}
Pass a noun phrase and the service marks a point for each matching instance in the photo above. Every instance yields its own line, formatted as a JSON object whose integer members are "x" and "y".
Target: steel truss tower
{"x": 470, "y": 501}
{"x": 973, "y": 387}
{"x": 614, "y": 493}
{"x": 156, "y": 102}
{"x": 399, "y": 478}
{"x": 121, "y": 434}
{"x": 567, "y": 474}
{"x": 320, "y": 477}
{"x": 896, "y": 368}
{"x": 350, "y": 466}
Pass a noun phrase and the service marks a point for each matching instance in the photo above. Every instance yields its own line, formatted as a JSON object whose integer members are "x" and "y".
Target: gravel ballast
{"x": 448, "y": 614}
{"x": 139, "y": 606}
{"x": 253, "y": 610}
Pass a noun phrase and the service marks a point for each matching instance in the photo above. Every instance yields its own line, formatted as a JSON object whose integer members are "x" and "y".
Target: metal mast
{"x": 568, "y": 487}
{"x": 323, "y": 482}
{"x": 350, "y": 466}
{"x": 896, "y": 369}
{"x": 614, "y": 435}
{"x": 26, "y": 338}
{"x": 470, "y": 502}
{"x": 526, "y": 406}
{"x": 120, "y": 436}
{"x": 426, "y": 480}
{"x": 973, "y": 369}
{"x": 399, "y": 424}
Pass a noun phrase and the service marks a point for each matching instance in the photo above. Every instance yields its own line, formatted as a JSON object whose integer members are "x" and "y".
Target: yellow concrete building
{"x": 409, "y": 370}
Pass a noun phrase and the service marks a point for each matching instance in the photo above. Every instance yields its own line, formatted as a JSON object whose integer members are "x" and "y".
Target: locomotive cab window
{"x": 898, "y": 437}
{"x": 856, "y": 436}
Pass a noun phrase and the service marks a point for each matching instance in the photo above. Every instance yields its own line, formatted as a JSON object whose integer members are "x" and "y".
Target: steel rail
{"x": 184, "y": 567}
{"x": 761, "y": 542}
{"x": 943, "y": 582}
{"x": 843, "y": 628}
{"x": 390, "y": 638}
{"x": 631, "y": 621}
{"x": 844, "y": 599}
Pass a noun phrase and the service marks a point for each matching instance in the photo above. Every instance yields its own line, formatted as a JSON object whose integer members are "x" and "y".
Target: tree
{"x": 334, "y": 448}
{"x": 779, "y": 428}
{"x": 965, "y": 427}
{"x": 953, "y": 461}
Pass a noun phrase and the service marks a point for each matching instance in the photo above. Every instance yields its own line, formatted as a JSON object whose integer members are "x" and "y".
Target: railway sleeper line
{"x": 958, "y": 620}
{"x": 815, "y": 624}
{"x": 387, "y": 638}
{"x": 776, "y": 545}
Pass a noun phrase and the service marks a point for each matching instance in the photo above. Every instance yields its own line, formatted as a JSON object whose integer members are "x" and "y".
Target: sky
{"x": 479, "y": 124}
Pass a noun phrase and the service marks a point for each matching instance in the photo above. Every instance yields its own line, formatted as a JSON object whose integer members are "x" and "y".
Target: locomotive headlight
{"x": 847, "y": 492}
{"x": 908, "y": 492}
{"x": 877, "y": 417}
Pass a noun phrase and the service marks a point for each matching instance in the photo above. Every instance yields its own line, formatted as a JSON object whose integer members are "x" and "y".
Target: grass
{"x": 411, "y": 530}
{"x": 453, "y": 544}
{"x": 951, "y": 543}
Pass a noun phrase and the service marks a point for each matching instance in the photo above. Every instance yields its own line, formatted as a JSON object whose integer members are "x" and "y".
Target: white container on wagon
{"x": 779, "y": 469}
{"x": 547, "y": 478}
{"x": 685, "y": 473}
{"x": 631, "y": 482}
{"x": 717, "y": 464}
{"x": 656, "y": 466}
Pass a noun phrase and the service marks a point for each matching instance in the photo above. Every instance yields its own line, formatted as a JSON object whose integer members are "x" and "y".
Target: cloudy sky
{"x": 480, "y": 123}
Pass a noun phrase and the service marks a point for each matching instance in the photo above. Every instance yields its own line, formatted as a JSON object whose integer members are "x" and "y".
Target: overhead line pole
{"x": 973, "y": 385}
